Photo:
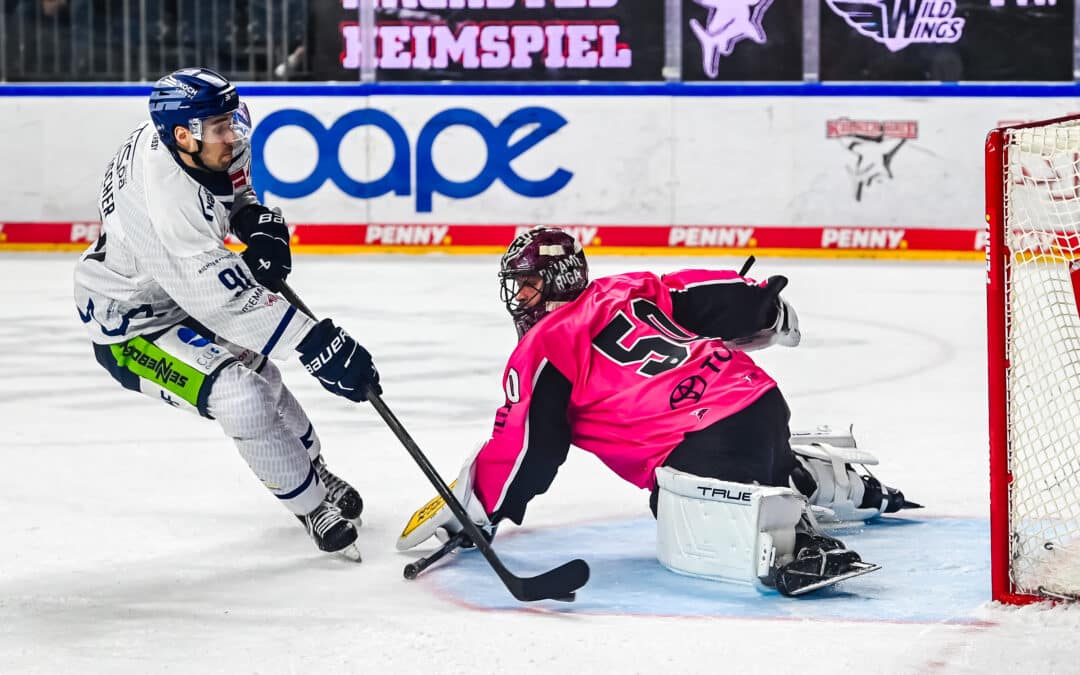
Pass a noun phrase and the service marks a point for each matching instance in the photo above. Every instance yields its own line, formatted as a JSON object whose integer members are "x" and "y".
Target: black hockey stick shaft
{"x": 745, "y": 268}
{"x": 555, "y": 584}
{"x": 413, "y": 569}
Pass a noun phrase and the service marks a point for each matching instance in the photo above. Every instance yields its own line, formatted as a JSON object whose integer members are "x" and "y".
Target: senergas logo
{"x": 504, "y": 142}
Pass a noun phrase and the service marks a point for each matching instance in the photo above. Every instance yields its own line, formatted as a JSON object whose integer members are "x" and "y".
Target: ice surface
{"x": 135, "y": 539}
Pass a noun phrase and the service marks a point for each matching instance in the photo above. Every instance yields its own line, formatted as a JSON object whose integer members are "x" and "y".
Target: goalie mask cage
{"x": 1033, "y": 338}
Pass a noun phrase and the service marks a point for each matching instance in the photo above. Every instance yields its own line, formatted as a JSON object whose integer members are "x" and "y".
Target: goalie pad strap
{"x": 838, "y": 490}
{"x": 838, "y": 437}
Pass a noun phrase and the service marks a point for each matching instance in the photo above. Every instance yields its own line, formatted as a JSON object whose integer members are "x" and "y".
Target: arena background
{"x": 670, "y": 134}
{"x": 779, "y": 128}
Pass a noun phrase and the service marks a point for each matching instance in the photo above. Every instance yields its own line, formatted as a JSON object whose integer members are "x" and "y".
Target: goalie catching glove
{"x": 436, "y": 518}
{"x": 777, "y": 315}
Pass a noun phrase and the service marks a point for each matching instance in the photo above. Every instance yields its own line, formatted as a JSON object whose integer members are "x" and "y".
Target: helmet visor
{"x": 231, "y": 128}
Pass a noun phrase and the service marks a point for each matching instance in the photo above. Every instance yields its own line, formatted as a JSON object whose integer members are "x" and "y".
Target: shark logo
{"x": 729, "y": 22}
{"x": 899, "y": 23}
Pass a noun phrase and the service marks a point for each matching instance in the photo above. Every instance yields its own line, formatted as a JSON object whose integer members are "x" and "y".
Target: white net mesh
{"x": 1042, "y": 224}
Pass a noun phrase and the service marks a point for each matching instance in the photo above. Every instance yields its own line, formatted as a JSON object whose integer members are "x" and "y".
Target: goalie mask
{"x": 542, "y": 268}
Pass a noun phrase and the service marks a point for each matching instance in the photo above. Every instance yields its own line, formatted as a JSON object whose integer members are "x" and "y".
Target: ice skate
{"x": 809, "y": 535}
{"x": 331, "y": 531}
{"x": 340, "y": 493}
{"x": 820, "y": 561}
{"x": 815, "y": 568}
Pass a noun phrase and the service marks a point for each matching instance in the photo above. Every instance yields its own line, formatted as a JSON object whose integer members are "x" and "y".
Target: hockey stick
{"x": 413, "y": 569}
{"x": 746, "y": 266}
{"x": 559, "y": 583}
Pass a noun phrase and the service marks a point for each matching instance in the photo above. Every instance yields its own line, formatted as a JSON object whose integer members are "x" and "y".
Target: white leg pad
{"x": 723, "y": 530}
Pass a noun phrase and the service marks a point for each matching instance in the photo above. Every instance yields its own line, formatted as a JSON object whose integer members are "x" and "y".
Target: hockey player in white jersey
{"x": 174, "y": 314}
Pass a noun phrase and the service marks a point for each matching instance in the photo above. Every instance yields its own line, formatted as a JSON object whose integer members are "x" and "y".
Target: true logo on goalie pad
{"x": 724, "y": 493}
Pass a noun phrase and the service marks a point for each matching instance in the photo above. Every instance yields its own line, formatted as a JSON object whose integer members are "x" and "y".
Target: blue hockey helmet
{"x": 190, "y": 95}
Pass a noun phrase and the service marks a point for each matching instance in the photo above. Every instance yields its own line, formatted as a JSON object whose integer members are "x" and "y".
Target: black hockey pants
{"x": 753, "y": 445}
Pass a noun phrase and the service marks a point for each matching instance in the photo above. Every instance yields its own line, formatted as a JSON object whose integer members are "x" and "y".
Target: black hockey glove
{"x": 769, "y": 301}
{"x": 267, "y": 238}
{"x": 776, "y": 319}
{"x": 340, "y": 364}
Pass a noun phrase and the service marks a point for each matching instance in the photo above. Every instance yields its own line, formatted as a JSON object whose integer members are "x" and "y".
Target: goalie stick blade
{"x": 858, "y": 570}
{"x": 557, "y": 584}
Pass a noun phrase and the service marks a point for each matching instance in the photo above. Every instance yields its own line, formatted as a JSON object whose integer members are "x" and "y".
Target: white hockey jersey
{"x": 161, "y": 256}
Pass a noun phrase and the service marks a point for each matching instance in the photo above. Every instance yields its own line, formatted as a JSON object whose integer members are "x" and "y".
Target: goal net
{"x": 1033, "y": 266}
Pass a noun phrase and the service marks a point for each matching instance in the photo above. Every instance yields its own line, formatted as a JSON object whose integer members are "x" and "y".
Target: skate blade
{"x": 860, "y": 569}
{"x": 350, "y": 552}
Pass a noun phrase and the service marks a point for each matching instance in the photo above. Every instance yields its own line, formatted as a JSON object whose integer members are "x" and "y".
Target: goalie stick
{"x": 413, "y": 569}
{"x": 559, "y": 583}
{"x": 747, "y": 265}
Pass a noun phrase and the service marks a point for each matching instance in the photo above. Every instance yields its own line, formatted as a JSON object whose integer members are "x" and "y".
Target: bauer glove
{"x": 267, "y": 237}
{"x": 340, "y": 364}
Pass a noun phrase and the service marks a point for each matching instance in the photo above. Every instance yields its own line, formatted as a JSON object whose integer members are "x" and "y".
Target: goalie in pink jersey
{"x": 650, "y": 374}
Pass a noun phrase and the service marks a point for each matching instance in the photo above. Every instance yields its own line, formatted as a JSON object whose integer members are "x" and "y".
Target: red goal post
{"x": 1033, "y": 340}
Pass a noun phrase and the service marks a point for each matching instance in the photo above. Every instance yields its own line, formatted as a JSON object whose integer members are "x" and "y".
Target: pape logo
{"x": 900, "y": 23}
{"x": 873, "y": 144}
{"x": 728, "y": 23}
{"x": 518, "y": 133}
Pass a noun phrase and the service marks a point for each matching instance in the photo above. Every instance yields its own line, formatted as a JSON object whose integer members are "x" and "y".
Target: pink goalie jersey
{"x": 614, "y": 374}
